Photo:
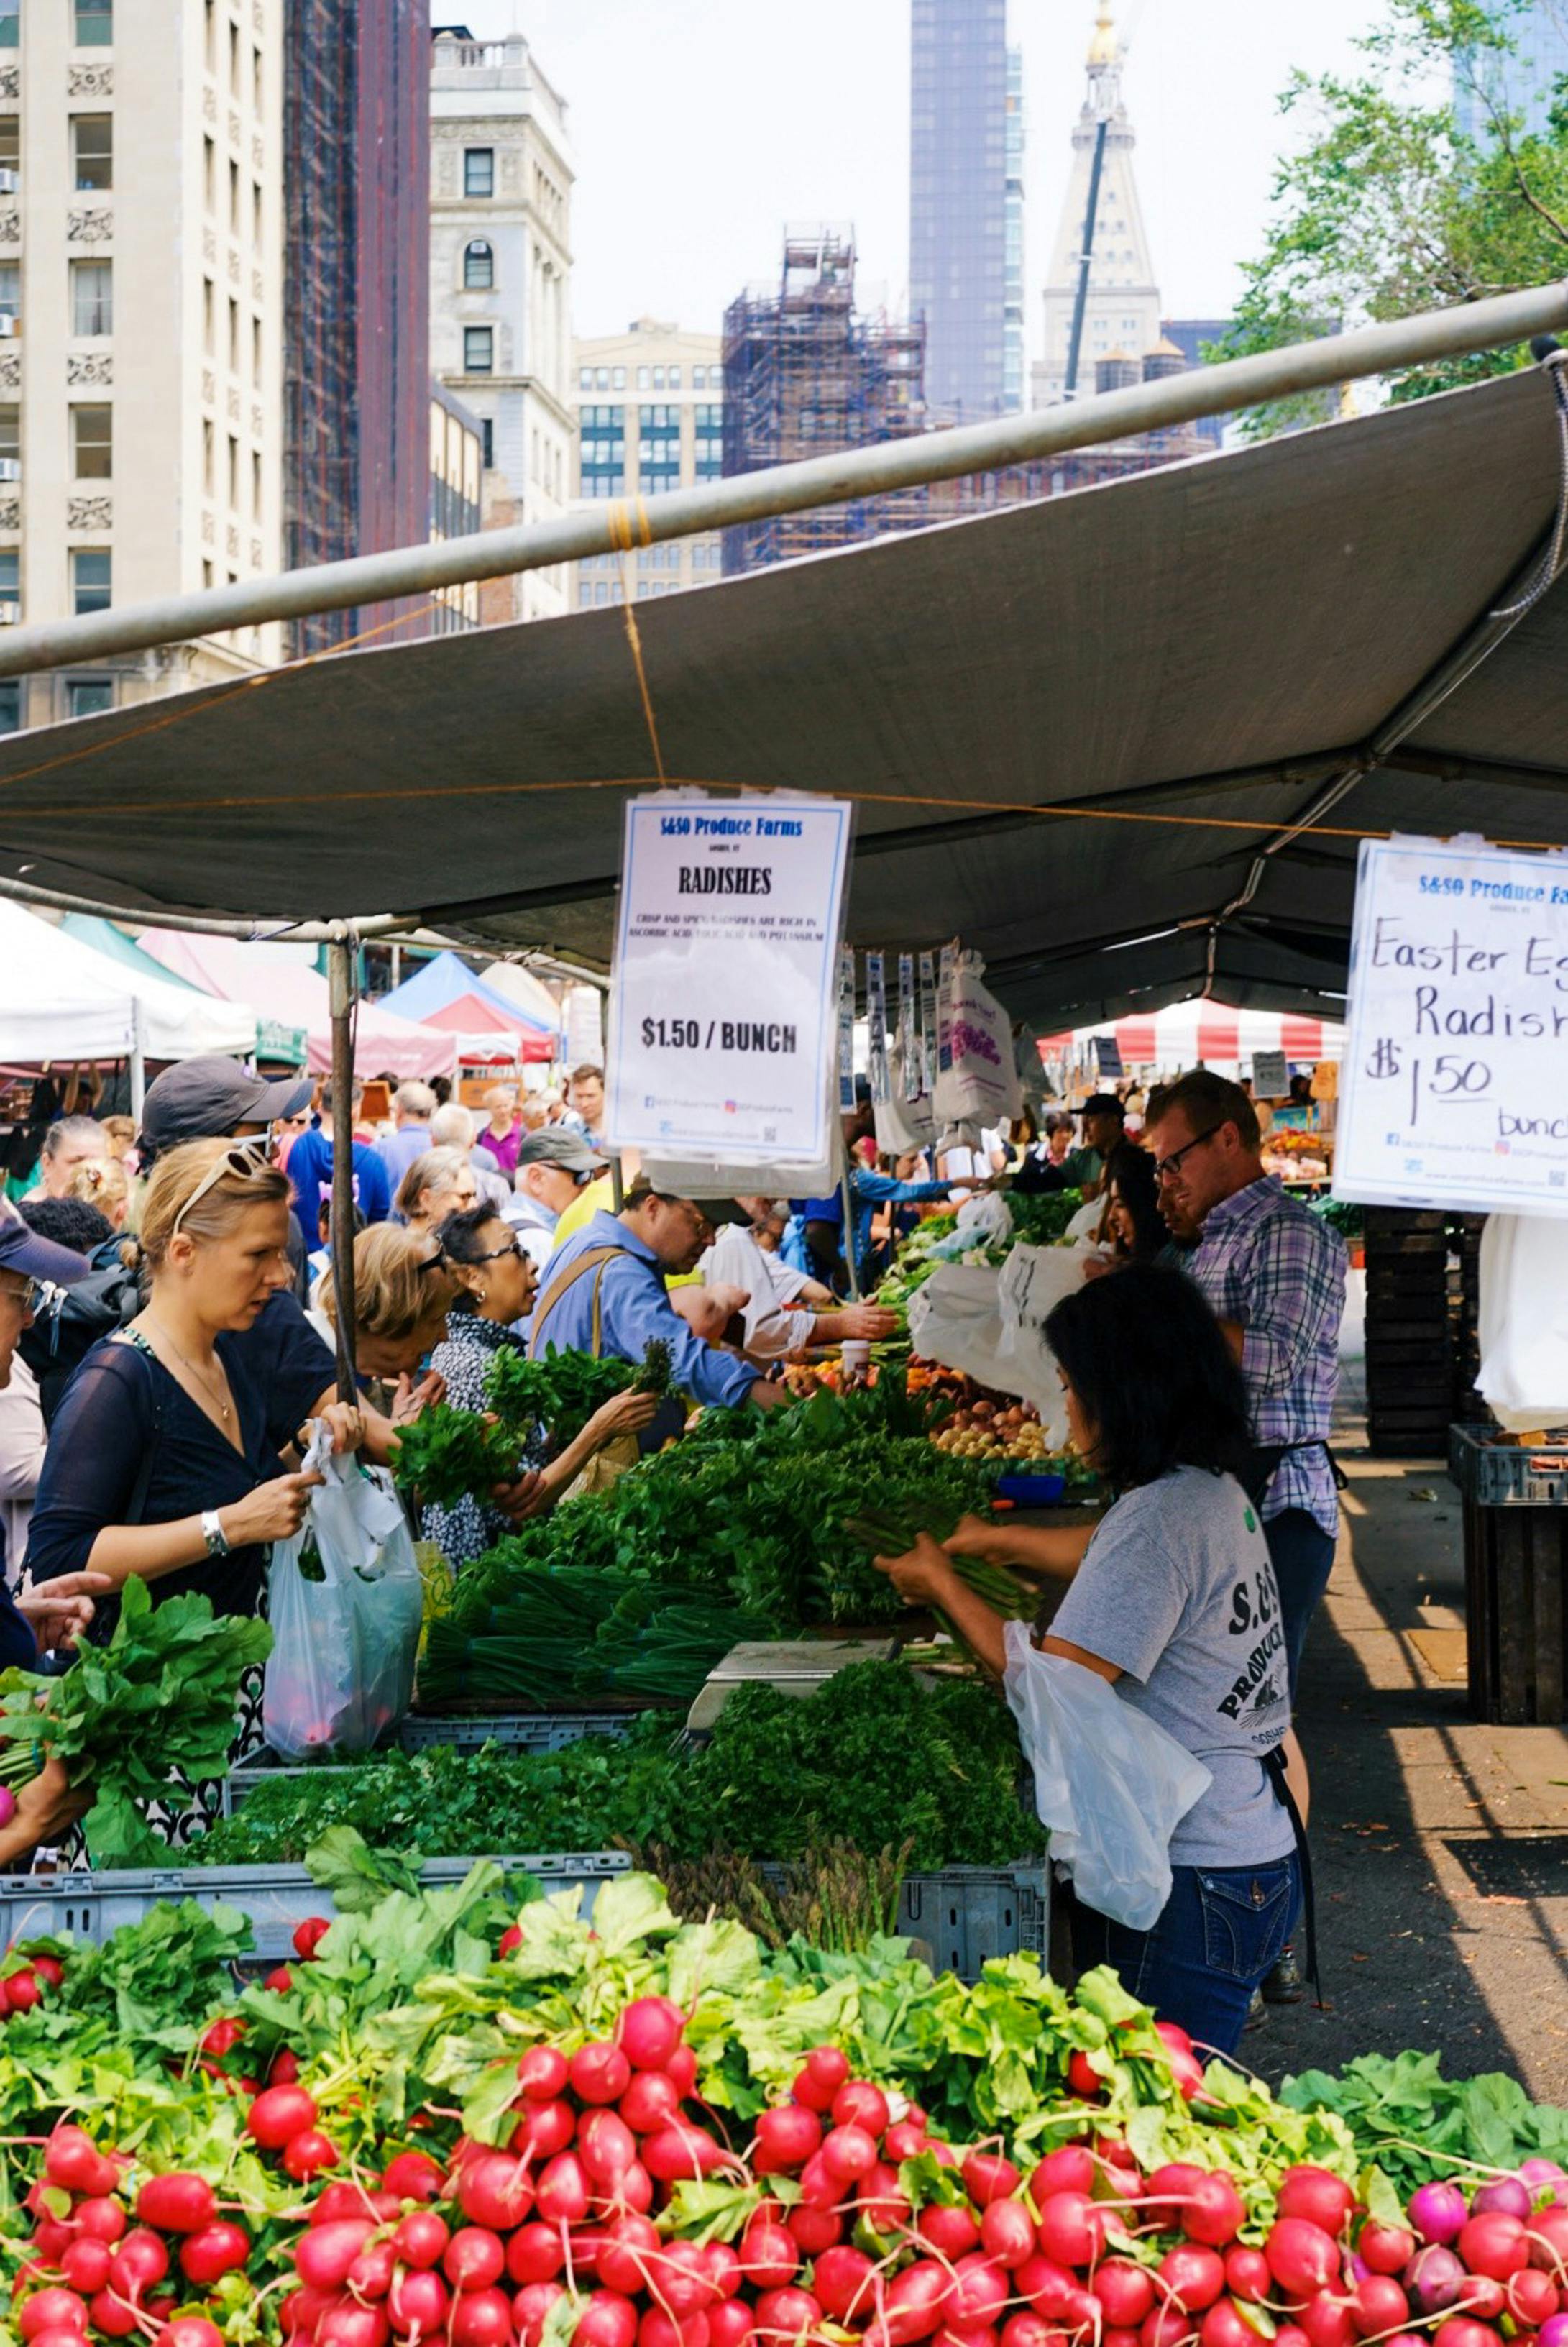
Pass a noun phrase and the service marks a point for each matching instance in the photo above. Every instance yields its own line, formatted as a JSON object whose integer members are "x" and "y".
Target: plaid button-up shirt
{"x": 1268, "y": 1262}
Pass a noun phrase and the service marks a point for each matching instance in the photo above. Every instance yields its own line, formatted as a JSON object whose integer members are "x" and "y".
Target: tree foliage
{"x": 1388, "y": 207}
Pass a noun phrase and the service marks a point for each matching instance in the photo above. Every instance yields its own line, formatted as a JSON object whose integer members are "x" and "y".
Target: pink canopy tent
{"x": 1212, "y": 1032}
{"x": 283, "y": 982}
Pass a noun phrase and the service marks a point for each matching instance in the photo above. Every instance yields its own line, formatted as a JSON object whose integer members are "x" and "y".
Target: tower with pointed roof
{"x": 1122, "y": 311}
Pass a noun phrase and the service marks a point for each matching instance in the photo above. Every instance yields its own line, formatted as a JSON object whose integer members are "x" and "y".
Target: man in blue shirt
{"x": 413, "y": 1106}
{"x": 603, "y": 1292}
{"x": 310, "y": 1169}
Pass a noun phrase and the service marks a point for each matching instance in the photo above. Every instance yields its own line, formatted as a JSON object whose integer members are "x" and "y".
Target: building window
{"x": 657, "y": 378}
{"x": 10, "y": 296}
{"x": 90, "y": 696}
{"x": 10, "y": 442}
{"x": 602, "y": 378}
{"x": 255, "y": 487}
{"x": 478, "y": 349}
{"x": 256, "y": 353}
{"x": 255, "y": 215}
{"x": 233, "y": 474}
{"x": 92, "y": 443}
{"x": 487, "y": 441}
{"x": 11, "y": 686}
{"x": 233, "y": 337}
{"x": 207, "y": 446}
{"x": 478, "y": 266}
{"x": 92, "y": 149}
{"x": 585, "y": 378}
{"x": 10, "y": 584}
{"x": 618, "y": 378}
{"x": 11, "y": 144}
{"x": 90, "y": 578}
{"x": 10, "y": 26}
{"x": 95, "y": 23}
{"x": 674, "y": 378}
{"x": 209, "y": 174}
{"x": 92, "y": 297}
{"x": 478, "y": 171}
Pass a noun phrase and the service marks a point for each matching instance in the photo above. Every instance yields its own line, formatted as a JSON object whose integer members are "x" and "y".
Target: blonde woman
{"x": 404, "y": 1288}
{"x": 440, "y": 1182}
{"x": 103, "y": 1182}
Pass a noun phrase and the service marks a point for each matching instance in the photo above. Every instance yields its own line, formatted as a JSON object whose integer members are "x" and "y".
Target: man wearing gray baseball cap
{"x": 213, "y": 1098}
{"x": 555, "y": 1173}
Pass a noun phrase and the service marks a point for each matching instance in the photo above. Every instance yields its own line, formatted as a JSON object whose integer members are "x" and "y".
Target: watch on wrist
{"x": 213, "y": 1533}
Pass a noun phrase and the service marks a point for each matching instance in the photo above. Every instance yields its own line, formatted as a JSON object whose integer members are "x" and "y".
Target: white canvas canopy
{"x": 59, "y": 999}
{"x": 1213, "y": 1034}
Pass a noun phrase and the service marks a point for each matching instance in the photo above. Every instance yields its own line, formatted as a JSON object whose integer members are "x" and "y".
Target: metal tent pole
{"x": 137, "y": 1059}
{"x": 1504, "y": 320}
{"x": 341, "y": 961}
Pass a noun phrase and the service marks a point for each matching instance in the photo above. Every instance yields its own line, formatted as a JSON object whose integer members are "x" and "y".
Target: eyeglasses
{"x": 1168, "y": 1169}
{"x": 499, "y": 1254}
{"x": 247, "y": 1161}
{"x": 29, "y": 1294}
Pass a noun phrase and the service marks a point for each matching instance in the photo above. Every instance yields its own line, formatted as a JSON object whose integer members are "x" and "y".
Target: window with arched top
{"x": 479, "y": 265}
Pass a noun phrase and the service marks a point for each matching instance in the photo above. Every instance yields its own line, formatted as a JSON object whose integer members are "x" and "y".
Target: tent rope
{"x": 623, "y": 540}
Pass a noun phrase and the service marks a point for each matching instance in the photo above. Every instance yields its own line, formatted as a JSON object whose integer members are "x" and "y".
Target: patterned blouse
{"x": 470, "y": 1526}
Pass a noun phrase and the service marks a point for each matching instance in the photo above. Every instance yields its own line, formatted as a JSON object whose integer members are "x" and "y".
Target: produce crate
{"x": 1515, "y": 1569}
{"x": 969, "y": 1913}
{"x": 1502, "y": 1475}
{"x": 276, "y": 1898}
{"x": 521, "y": 1731}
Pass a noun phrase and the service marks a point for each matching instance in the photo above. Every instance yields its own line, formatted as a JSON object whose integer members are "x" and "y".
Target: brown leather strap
{"x": 592, "y": 1259}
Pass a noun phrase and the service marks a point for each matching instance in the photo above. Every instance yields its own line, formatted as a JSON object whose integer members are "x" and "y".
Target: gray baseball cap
{"x": 22, "y": 1250}
{"x": 554, "y": 1145}
{"x": 210, "y": 1097}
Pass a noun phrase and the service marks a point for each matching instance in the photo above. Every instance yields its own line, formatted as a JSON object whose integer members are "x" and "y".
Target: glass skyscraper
{"x": 962, "y": 168}
{"x": 1522, "y": 85}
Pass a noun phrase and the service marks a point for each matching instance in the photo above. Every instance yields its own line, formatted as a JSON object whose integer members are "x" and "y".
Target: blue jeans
{"x": 1302, "y": 1555}
{"x": 1222, "y": 1930}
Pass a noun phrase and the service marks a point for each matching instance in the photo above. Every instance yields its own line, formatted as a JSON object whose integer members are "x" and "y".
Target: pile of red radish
{"x": 844, "y": 2221}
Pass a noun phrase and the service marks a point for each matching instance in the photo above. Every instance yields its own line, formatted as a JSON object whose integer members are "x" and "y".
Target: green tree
{"x": 1387, "y": 208}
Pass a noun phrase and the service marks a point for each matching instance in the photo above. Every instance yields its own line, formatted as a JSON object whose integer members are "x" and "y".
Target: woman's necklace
{"x": 200, "y": 1377}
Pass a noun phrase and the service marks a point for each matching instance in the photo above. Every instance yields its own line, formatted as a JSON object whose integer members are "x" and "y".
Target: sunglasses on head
{"x": 243, "y": 1160}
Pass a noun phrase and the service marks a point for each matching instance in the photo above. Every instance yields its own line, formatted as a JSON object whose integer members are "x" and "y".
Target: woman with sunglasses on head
{"x": 498, "y": 1280}
{"x": 160, "y": 1462}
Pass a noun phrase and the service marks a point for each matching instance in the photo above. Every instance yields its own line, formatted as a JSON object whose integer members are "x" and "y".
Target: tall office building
{"x": 500, "y": 283}
{"x": 357, "y": 366}
{"x": 1121, "y": 306}
{"x": 964, "y": 189}
{"x": 1015, "y": 373}
{"x": 651, "y": 416}
{"x": 140, "y": 326}
{"x": 1522, "y": 83}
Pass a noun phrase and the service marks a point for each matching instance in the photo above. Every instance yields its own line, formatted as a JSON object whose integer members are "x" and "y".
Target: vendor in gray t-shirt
{"x": 1173, "y": 1601}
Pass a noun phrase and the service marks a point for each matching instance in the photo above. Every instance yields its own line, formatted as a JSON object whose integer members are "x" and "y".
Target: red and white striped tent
{"x": 1210, "y": 1034}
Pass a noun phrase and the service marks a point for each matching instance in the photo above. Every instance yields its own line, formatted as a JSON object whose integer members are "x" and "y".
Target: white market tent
{"x": 284, "y": 978}
{"x": 59, "y": 999}
{"x": 1201, "y": 1032}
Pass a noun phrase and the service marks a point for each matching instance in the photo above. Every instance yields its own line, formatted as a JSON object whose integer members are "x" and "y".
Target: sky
{"x": 701, "y": 127}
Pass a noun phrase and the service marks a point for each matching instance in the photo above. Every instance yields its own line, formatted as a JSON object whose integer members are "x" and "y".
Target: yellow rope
{"x": 621, "y": 538}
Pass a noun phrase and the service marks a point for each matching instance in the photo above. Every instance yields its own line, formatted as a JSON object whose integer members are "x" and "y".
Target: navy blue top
{"x": 123, "y": 1407}
{"x": 310, "y": 1169}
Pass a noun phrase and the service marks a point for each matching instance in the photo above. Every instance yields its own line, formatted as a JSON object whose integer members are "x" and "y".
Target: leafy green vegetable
{"x": 560, "y": 1392}
{"x": 159, "y": 1696}
{"x": 446, "y": 1453}
{"x": 1416, "y": 2125}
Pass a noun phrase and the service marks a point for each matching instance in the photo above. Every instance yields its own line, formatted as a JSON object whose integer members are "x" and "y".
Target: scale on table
{"x": 795, "y": 1666}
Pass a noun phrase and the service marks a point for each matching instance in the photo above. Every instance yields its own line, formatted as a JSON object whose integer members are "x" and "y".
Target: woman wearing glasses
{"x": 497, "y": 1278}
{"x": 158, "y": 1461}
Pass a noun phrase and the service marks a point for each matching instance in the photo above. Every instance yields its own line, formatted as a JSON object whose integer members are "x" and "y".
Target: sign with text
{"x": 723, "y": 1027}
{"x": 1270, "y": 1075}
{"x": 1452, "y": 1091}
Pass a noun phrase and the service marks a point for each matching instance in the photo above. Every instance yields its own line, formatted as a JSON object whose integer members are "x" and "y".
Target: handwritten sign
{"x": 1452, "y": 1091}
{"x": 1270, "y": 1075}
{"x": 724, "y": 1026}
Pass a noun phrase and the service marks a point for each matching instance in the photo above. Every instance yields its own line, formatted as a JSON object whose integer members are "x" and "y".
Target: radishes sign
{"x": 1451, "y": 1090}
{"x": 723, "y": 1002}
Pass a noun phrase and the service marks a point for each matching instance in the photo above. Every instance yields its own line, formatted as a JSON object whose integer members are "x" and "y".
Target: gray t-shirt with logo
{"x": 1176, "y": 1588}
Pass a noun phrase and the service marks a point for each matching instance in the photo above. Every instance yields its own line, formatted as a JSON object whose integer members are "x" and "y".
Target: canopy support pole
{"x": 137, "y": 1059}
{"x": 342, "y": 956}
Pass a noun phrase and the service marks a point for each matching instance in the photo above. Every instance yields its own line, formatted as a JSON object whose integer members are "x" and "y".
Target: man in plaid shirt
{"x": 1274, "y": 1275}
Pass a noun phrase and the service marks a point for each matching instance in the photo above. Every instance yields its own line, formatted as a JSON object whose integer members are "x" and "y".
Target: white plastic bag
{"x": 957, "y": 1318}
{"x": 1524, "y": 1320}
{"x": 1111, "y": 1785}
{"x": 984, "y": 1220}
{"x": 343, "y": 1643}
{"x": 981, "y": 1082}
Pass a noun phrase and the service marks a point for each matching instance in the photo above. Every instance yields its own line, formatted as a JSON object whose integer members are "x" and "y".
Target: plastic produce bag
{"x": 345, "y": 1600}
{"x": 956, "y": 1318}
{"x": 1524, "y": 1320}
{"x": 1111, "y": 1786}
{"x": 981, "y": 1081}
{"x": 984, "y": 1220}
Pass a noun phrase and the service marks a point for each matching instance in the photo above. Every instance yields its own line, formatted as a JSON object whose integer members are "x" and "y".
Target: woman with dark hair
{"x": 1173, "y": 1601}
{"x": 1132, "y": 1222}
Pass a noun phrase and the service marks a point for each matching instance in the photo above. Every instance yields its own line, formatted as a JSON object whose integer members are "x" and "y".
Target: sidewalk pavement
{"x": 1439, "y": 1846}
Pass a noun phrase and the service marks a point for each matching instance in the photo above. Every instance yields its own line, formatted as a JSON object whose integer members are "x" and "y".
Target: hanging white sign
{"x": 1451, "y": 1090}
{"x": 723, "y": 1018}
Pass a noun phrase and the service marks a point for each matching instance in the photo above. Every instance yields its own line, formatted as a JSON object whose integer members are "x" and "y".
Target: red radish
{"x": 987, "y": 2177}
{"x": 843, "y": 2280}
{"x": 859, "y": 2104}
{"x": 1247, "y": 2274}
{"x": 495, "y": 2190}
{"x": 723, "y": 2268}
{"x": 681, "y": 2072}
{"x": 1007, "y": 2236}
{"x": 1126, "y": 2293}
{"x": 787, "y": 2313}
{"x": 1193, "y": 2277}
{"x": 562, "y": 2194}
{"x": 1325, "y": 2320}
{"x": 730, "y": 2323}
{"x": 474, "y": 2258}
{"x": 848, "y": 2154}
{"x": 1530, "y": 2298}
{"x": 814, "y": 2229}
{"x": 1226, "y": 2324}
{"x": 1071, "y": 2228}
{"x": 52, "y": 2309}
{"x": 658, "y": 2329}
{"x": 189, "y": 2330}
{"x": 600, "y": 2072}
{"x": 323, "y": 2255}
{"x": 1216, "y": 2212}
{"x": 1167, "y": 2326}
{"x": 543, "y": 2074}
{"x": 536, "y": 2255}
{"x": 607, "y": 2320}
{"x": 606, "y": 2146}
{"x": 483, "y": 2319}
{"x": 1379, "y": 2304}
{"x": 1434, "y": 2279}
{"x": 1481, "y": 2297}
{"x": 510, "y": 1941}
{"x": 278, "y": 2114}
{"x": 627, "y": 2256}
{"x": 221, "y": 2036}
{"x": 1169, "y": 2189}
{"x": 309, "y": 1935}
{"x": 1044, "y": 2286}
{"x": 280, "y": 1980}
{"x": 177, "y": 2203}
{"x": 979, "y": 2293}
{"x": 884, "y": 2207}
{"x": 85, "y": 2266}
{"x": 1028, "y": 2329}
{"x": 416, "y": 2304}
{"x": 104, "y": 2218}
{"x": 70, "y": 2158}
{"x": 1083, "y": 2078}
{"x": 285, "y": 2067}
{"x": 1070, "y": 2170}
{"x": 309, "y": 2153}
{"x": 951, "y": 2231}
{"x": 343, "y": 2198}
{"x": 1317, "y": 2197}
{"x": 412, "y": 2175}
{"x": 1385, "y": 2248}
{"x": 787, "y": 2136}
{"x": 52, "y": 1972}
{"x": 825, "y": 2072}
{"x": 679, "y": 2152}
{"x": 50, "y": 2242}
{"x": 545, "y": 2128}
{"x": 1459, "y": 2332}
{"x": 347, "y": 2325}
{"x": 634, "y": 2190}
{"x": 24, "y": 1991}
{"x": 373, "y": 2272}
{"x": 140, "y": 2262}
{"x": 1301, "y": 2256}
{"x": 1496, "y": 2245}
{"x": 1548, "y": 2239}
{"x": 218, "y": 2249}
{"x": 1507, "y": 2196}
{"x": 649, "y": 2031}
{"x": 112, "y": 2315}
{"x": 421, "y": 2238}
{"x": 60, "y": 2337}
{"x": 1438, "y": 2212}
{"x": 770, "y": 2256}
{"x": 651, "y": 2102}
{"x": 915, "y": 2303}
{"x": 530, "y": 2308}
{"x": 682, "y": 2282}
